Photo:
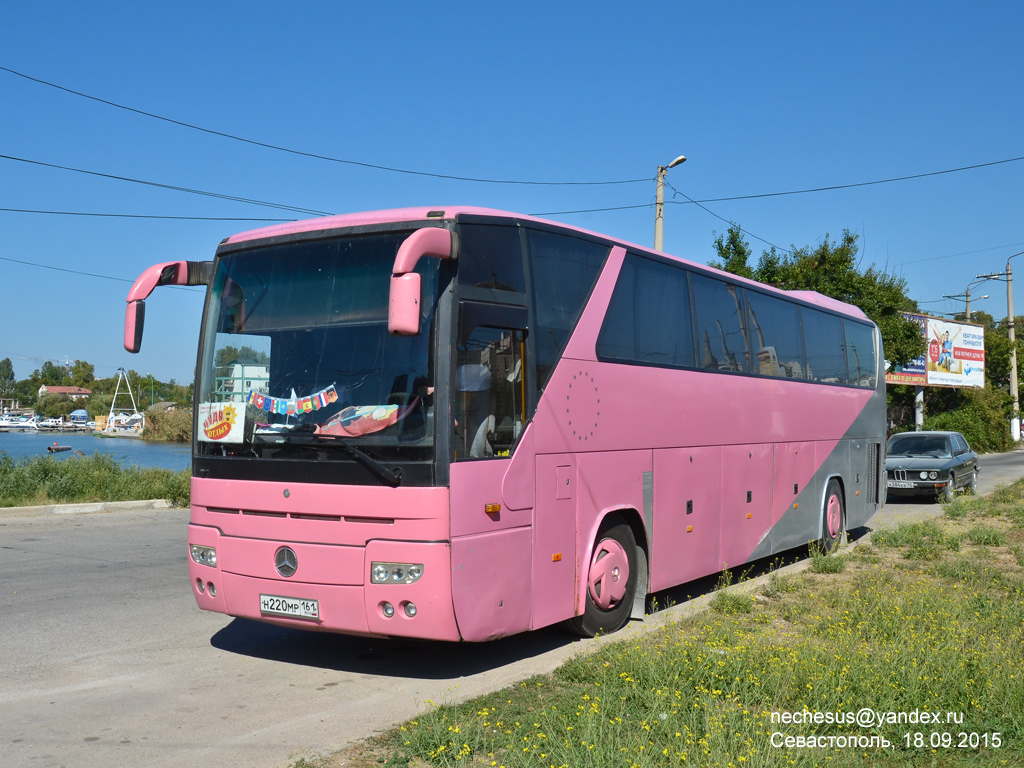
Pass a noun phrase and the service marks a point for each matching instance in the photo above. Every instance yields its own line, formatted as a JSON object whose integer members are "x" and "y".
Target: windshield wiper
{"x": 389, "y": 476}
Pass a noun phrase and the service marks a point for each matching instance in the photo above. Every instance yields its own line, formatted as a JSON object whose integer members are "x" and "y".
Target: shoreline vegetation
{"x": 168, "y": 426}
{"x": 41, "y": 480}
{"x": 926, "y": 620}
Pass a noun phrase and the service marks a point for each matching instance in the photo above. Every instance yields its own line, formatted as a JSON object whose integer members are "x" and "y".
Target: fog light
{"x": 387, "y": 609}
{"x": 395, "y": 573}
{"x": 199, "y": 585}
{"x": 410, "y": 610}
{"x": 203, "y": 555}
{"x": 211, "y": 589}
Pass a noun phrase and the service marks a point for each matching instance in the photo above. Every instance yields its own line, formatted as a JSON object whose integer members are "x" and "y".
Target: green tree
{"x": 49, "y": 374}
{"x": 734, "y": 253}
{"x": 54, "y": 406}
{"x": 7, "y": 380}
{"x": 99, "y": 404}
{"x": 82, "y": 374}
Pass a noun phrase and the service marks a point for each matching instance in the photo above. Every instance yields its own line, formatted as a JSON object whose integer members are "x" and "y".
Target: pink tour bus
{"x": 463, "y": 423}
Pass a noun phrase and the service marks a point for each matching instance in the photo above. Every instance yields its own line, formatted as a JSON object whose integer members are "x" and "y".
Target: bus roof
{"x": 394, "y": 215}
{"x": 401, "y": 215}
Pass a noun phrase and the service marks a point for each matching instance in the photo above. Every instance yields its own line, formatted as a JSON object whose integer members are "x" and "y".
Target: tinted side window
{"x": 564, "y": 271}
{"x": 775, "y": 336}
{"x": 490, "y": 257}
{"x": 823, "y": 343}
{"x": 860, "y": 353}
{"x": 648, "y": 318}
{"x": 721, "y": 335}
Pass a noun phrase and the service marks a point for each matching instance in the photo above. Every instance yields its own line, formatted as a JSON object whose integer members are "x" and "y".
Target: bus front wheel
{"x": 611, "y": 582}
{"x": 834, "y": 517}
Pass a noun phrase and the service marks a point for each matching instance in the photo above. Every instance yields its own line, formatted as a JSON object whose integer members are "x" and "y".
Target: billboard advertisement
{"x": 954, "y": 357}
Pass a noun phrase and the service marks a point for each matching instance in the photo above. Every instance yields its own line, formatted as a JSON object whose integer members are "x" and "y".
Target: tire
{"x": 949, "y": 491}
{"x": 833, "y": 517}
{"x": 611, "y": 583}
{"x": 972, "y": 486}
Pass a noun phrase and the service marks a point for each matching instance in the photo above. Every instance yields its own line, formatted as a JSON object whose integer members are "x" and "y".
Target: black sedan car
{"x": 936, "y": 463}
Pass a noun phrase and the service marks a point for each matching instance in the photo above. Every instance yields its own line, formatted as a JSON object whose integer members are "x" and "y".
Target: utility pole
{"x": 1010, "y": 320}
{"x": 1010, "y": 324}
{"x": 659, "y": 206}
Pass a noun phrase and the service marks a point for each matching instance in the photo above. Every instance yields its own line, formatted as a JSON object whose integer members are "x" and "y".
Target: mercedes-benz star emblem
{"x": 286, "y": 562}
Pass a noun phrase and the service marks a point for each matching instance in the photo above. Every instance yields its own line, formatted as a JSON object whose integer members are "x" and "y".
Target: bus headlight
{"x": 395, "y": 573}
{"x": 203, "y": 555}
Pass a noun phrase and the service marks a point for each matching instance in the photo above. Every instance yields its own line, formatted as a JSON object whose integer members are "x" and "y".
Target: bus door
{"x": 491, "y": 543}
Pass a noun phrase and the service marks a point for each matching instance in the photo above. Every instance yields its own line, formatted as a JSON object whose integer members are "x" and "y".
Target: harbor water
{"x": 126, "y": 451}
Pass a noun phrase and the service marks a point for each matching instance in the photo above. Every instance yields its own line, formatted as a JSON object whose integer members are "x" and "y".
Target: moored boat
{"x": 18, "y": 423}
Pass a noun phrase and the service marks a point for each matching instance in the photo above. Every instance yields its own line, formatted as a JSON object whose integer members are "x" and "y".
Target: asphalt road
{"x": 106, "y": 660}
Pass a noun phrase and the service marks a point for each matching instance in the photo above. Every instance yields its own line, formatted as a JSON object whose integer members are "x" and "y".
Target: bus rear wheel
{"x": 833, "y": 517}
{"x": 611, "y": 582}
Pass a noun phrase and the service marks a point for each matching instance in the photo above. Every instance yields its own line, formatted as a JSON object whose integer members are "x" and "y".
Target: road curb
{"x": 85, "y": 509}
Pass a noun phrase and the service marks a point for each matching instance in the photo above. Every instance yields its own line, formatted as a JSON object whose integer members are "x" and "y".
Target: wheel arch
{"x": 824, "y": 499}
{"x": 604, "y": 521}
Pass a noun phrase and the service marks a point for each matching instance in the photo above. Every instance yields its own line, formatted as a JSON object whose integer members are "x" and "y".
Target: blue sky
{"x": 761, "y": 97}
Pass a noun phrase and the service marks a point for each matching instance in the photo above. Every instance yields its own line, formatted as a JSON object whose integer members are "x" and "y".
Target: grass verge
{"x": 928, "y": 618}
{"x": 53, "y": 480}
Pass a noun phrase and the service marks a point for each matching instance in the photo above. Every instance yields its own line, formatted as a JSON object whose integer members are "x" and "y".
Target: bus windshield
{"x": 297, "y": 361}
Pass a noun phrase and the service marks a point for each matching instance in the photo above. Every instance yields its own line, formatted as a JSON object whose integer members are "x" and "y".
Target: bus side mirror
{"x": 134, "y": 318}
{"x": 404, "y": 296}
{"x": 168, "y": 273}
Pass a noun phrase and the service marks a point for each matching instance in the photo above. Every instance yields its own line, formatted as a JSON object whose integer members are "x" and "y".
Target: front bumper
{"x": 338, "y": 577}
{"x": 916, "y": 486}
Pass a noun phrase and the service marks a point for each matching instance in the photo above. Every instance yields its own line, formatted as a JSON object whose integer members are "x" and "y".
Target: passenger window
{"x": 721, "y": 335}
{"x": 860, "y": 353}
{"x": 564, "y": 271}
{"x": 775, "y": 336}
{"x": 648, "y": 319}
{"x": 823, "y": 343}
{"x": 491, "y": 257}
{"x": 490, "y": 393}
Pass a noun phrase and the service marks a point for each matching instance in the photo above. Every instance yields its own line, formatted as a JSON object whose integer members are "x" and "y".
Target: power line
{"x": 218, "y": 195}
{"x": 594, "y": 210}
{"x": 391, "y": 169}
{"x": 730, "y": 223}
{"x": 314, "y": 155}
{"x": 961, "y": 253}
{"x": 139, "y": 215}
{"x": 79, "y": 272}
{"x": 831, "y": 188}
{"x": 857, "y": 184}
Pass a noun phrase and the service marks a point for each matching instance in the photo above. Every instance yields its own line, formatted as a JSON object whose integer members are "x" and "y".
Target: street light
{"x": 966, "y": 295}
{"x": 1010, "y": 323}
{"x": 659, "y": 207}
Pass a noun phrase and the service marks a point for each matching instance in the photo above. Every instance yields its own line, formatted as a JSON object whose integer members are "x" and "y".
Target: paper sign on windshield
{"x": 221, "y": 423}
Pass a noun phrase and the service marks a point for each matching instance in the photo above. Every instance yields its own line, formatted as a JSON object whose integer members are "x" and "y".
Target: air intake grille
{"x": 874, "y": 456}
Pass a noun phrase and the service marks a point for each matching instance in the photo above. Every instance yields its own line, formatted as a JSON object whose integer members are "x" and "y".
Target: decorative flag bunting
{"x": 293, "y": 405}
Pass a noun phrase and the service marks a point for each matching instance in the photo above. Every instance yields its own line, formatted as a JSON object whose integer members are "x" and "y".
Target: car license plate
{"x": 296, "y": 608}
{"x": 900, "y": 484}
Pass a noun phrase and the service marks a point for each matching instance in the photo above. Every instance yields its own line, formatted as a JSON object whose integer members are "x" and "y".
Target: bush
{"x": 980, "y": 415}
{"x": 74, "y": 480}
{"x": 169, "y": 426}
